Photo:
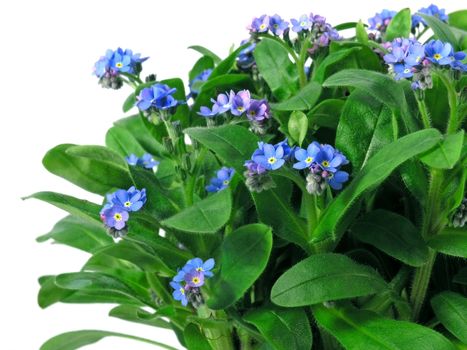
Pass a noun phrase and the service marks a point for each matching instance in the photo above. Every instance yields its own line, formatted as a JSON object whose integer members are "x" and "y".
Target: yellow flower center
{"x": 407, "y": 70}
{"x": 199, "y": 269}
{"x": 272, "y": 160}
{"x": 226, "y": 182}
{"x": 240, "y": 109}
{"x": 418, "y": 59}
{"x": 118, "y": 217}
{"x": 252, "y": 113}
{"x": 119, "y": 65}
{"x": 195, "y": 280}
{"x": 309, "y": 160}
{"x": 302, "y": 24}
{"x": 437, "y": 56}
{"x": 262, "y": 26}
{"x": 325, "y": 163}
{"x": 276, "y": 25}
{"x": 127, "y": 204}
{"x": 182, "y": 290}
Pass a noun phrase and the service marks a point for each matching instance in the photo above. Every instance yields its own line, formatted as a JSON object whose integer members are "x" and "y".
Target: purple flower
{"x": 277, "y": 25}
{"x": 179, "y": 293}
{"x": 438, "y": 52}
{"x": 240, "y": 102}
{"x": 158, "y": 96}
{"x": 207, "y": 112}
{"x": 194, "y": 279}
{"x": 303, "y": 23}
{"x": 115, "y": 217}
{"x": 306, "y": 158}
{"x": 198, "y": 265}
{"x": 221, "y": 181}
{"x": 260, "y": 25}
{"x": 130, "y": 200}
{"x": 258, "y": 110}
{"x": 254, "y": 168}
{"x": 381, "y": 20}
{"x": 272, "y": 158}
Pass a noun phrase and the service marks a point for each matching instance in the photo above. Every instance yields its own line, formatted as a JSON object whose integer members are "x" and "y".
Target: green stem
{"x": 219, "y": 337}
{"x": 245, "y": 340}
{"x": 302, "y": 59}
{"x": 424, "y": 113}
{"x": 452, "y": 98}
{"x": 422, "y": 32}
{"x": 420, "y": 285}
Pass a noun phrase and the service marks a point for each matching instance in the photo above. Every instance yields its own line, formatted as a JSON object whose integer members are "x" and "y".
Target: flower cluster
{"x": 221, "y": 181}
{"x": 188, "y": 281}
{"x": 431, "y": 10}
{"x": 324, "y": 163}
{"x": 109, "y": 67}
{"x": 266, "y": 23}
{"x": 380, "y": 21}
{"x": 408, "y": 58}
{"x": 146, "y": 161}
{"x": 197, "y": 81}
{"x": 245, "y": 59}
{"x": 237, "y": 104}
{"x": 157, "y": 97}
{"x": 459, "y": 219}
{"x": 115, "y": 213}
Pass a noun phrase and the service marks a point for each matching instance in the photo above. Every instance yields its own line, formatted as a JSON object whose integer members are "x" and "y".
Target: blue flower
{"x": 200, "y": 78}
{"x": 431, "y": 10}
{"x": 260, "y": 25}
{"x": 158, "y": 96}
{"x": 403, "y": 71}
{"x": 381, "y": 20}
{"x": 415, "y": 55}
{"x": 258, "y": 110}
{"x": 115, "y": 217}
{"x": 438, "y": 52}
{"x": 456, "y": 61}
{"x": 221, "y": 181}
{"x": 329, "y": 159}
{"x": 272, "y": 158}
{"x": 335, "y": 180}
{"x": 245, "y": 59}
{"x": 285, "y": 146}
{"x": 254, "y": 168}
{"x": 118, "y": 61}
{"x": 303, "y": 23}
{"x": 147, "y": 161}
{"x": 240, "y": 102}
{"x": 277, "y": 25}
{"x": 194, "y": 279}
{"x": 198, "y": 265}
{"x": 132, "y": 159}
{"x": 307, "y": 157}
{"x": 130, "y": 200}
{"x": 179, "y": 293}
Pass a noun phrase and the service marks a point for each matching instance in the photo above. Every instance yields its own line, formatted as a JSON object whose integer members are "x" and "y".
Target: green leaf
{"x": 200, "y": 66}
{"x": 78, "y": 233}
{"x": 136, "y": 314}
{"x": 244, "y": 256}
{"x": 461, "y": 276}
{"x": 458, "y": 19}
{"x": 276, "y": 68}
{"x": 232, "y": 143}
{"x": 451, "y": 310}
{"x": 446, "y": 154}
{"x": 77, "y": 339}
{"x": 393, "y": 234}
{"x": 399, "y": 26}
{"x": 206, "y": 52}
{"x": 360, "y": 33}
{"x": 227, "y": 64}
{"x": 93, "y": 168}
{"x": 205, "y": 216}
{"x": 381, "y": 86}
{"x": 376, "y": 170}
{"x": 298, "y": 126}
{"x": 284, "y": 329}
{"x": 123, "y": 142}
{"x": 451, "y": 241}
{"x": 50, "y": 293}
{"x": 325, "y": 277}
{"x": 442, "y": 31}
{"x": 195, "y": 339}
{"x": 326, "y": 113}
{"x": 365, "y": 126}
{"x": 78, "y": 207}
{"x": 305, "y": 99}
{"x": 365, "y": 330}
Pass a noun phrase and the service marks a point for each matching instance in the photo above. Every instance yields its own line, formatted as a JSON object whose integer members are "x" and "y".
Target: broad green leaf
{"x": 276, "y": 68}
{"x": 451, "y": 241}
{"x": 205, "y": 216}
{"x": 232, "y": 143}
{"x": 381, "y": 86}
{"x": 206, "y": 52}
{"x": 136, "y": 314}
{"x": 461, "y": 277}
{"x": 393, "y": 234}
{"x": 244, "y": 256}
{"x": 195, "y": 339}
{"x": 446, "y": 154}
{"x": 442, "y": 31}
{"x": 325, "y": 277}
{"x": 298, "y": 126}
{"x": 326, "y": 113}
{"x": 437, "y": 103}
{"x": 360, "y": 33}
{"x": 415, "y": 178}
{"x": 345, "y": 25}
{"x": 77, "y": 207}
{"x": 305, "y": 99}
{"x": 458, "y": 19}
{"x": 365, "y": 126}
{"x": 451, "y": 310}
{"x": 77, "y": 339}
{"x": 376, "y": 170}
{"x": 50, "y": 293}
{"x": 365, "y": 330}
{"x": 123, "y": 142}
{"x": 283, "y": 329}
{"x": 399, "y": 26}
{"x": 78, "y": 233}
{"x": 93, "y": 168}
{"x": 200, "y": 66}
{"x": 274, "y": 209}
{"x": 226, "y": 65}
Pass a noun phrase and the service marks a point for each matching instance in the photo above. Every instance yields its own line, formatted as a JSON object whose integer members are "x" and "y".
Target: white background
{"x": 48, "y": 96}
